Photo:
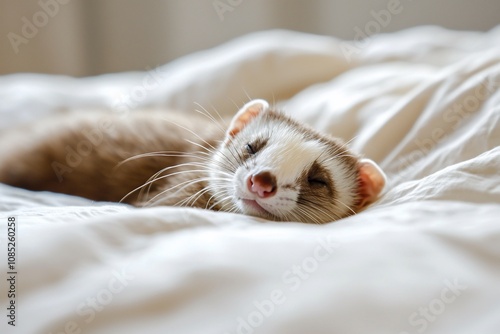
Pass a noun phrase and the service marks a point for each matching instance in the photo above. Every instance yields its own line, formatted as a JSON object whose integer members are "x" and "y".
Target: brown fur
{"x": 33, "y": 157}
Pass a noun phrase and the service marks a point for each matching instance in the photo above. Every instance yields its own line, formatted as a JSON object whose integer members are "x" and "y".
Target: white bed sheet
{"x": 424, "y": 103}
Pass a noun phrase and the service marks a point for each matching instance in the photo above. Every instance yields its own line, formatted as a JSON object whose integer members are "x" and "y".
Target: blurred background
{"x": 90, "y": 37}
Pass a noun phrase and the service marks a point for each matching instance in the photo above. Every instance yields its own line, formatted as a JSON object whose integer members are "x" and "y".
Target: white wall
{"x": 86, "y": 37}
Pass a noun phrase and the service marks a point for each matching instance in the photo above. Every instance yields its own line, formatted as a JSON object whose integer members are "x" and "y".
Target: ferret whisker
{"x": 192, "y": 132}
{"x": 238, "y": 157}
{"x": 233, "y": 209}
{"x": 350, "y": 140}
{"x": 223, "y": 121}
{"x": 223, "y": 208}
{"x": 156, "y": 176}
{"x": 193, "y": 198}
{"x": 201, "y": 193}
{"x": 309, "y": 214}
{"x": 151, "y": 180}
{"x": 158, "y": 197}
{"x": 236, "y": 105}
{"x": 314, "y": 205}
{"x": 208, "y": 150}
{"x": 163, "y": 154}
{"x": 219, "y": 200}
{"x": 340, "y": 155}
{"x": 209, "y": 200}
{"x": 226, "y": 159}
{"x": 236, "y": 154}
{"x": 208, "y": 115}
{"x": 349, "y": 208}
{"x": 206, "y": 189}
{"x": 246, "y": 93}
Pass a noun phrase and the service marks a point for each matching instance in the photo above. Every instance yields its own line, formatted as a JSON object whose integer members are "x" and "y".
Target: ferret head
{"x": 273, "y": 167}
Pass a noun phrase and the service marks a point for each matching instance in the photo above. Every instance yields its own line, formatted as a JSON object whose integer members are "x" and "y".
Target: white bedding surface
{"x": 423, "y": 103}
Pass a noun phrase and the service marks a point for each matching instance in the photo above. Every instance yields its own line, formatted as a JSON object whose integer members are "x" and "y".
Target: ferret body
{"x": 263, "y": 163}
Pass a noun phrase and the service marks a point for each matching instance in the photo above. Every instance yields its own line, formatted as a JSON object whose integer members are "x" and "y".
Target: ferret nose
{"x": 263, "y": 184}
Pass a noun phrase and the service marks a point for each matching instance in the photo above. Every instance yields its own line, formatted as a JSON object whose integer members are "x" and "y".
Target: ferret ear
{"x": 249, "y": 111}
{"x": 372, "y": 181}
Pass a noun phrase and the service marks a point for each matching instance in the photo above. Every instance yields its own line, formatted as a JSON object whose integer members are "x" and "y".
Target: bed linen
{"x": 423, "y": 103}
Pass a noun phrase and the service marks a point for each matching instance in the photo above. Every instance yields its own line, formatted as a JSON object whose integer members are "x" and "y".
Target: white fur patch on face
{"x": 287, "y": 155}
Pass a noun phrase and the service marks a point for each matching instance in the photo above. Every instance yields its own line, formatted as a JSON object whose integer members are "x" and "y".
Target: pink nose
{"x": 263, "y": 184}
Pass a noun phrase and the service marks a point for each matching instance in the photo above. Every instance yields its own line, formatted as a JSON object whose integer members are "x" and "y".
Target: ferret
{"x": 263, "y": 164}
